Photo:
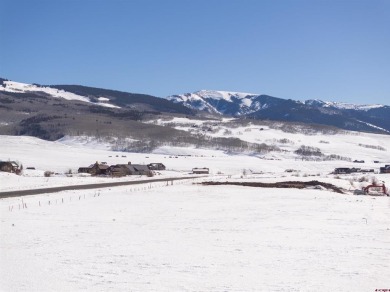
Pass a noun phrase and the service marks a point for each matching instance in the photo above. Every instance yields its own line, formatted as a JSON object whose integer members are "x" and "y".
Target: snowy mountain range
{"x": 260, "y": 106}
{"x": 15, "y": 95}
{"x": 240, "y": 104}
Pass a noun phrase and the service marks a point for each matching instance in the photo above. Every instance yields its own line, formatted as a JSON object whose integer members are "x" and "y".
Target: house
{"x": 95, "y": 169}
{"x": 141, "y": 169}
{"x": 128, "y": 169}
{"x": 201, "y": 170}
{"x": 156, "y": 166}
{"x": 343, "y": 170}
{"x": 119, "y": 170}
{"x": 10, "y": 166}
{"x": 84, "y": 170}
{"x": 385, "y": 169}
{"x": 346, "y": 170}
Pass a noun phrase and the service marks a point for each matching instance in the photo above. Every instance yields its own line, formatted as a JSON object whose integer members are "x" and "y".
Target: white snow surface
{"x": 12, "y": 86}
{"x": 188, "y": 237}
{"x": 343, "y": 105}
{"x": 361, "y": 107}
{"x": 225, "y": 95}
{"x": 346, "y": 143}
{"x": 193, "y": 238}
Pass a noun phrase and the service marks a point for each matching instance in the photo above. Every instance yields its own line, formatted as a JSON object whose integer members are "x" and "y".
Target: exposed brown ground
{"x": 285, "y": 184}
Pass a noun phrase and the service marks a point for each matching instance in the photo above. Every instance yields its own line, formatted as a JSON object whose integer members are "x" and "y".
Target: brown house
{"x": 118, "y": 170}
{"x": 95, "y": 169}
{"x": 128, "y": 169}
{"x": 10, "y": 166}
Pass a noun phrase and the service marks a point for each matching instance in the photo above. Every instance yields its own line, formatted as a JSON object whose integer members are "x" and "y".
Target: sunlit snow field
{"x": 183, "y": 236}
{"x": 193, "y": 238}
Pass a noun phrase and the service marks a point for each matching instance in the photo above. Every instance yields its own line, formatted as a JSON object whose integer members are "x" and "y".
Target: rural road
{"x": 87, "y": 187}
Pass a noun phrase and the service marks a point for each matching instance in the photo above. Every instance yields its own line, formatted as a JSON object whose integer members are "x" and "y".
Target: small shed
{"x": 200, "y": 170}
{"x": 156, "y": 166}
{"x": 385, "y": 169}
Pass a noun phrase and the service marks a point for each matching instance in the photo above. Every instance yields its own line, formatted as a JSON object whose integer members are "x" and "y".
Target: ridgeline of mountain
{"x": 125, "y": 99}
{"x": 53, "y": 111}
{"x": 370, "y": 118}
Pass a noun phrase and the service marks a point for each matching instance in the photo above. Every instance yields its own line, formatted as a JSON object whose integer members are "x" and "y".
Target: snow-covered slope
{"x": 342, "y": 105}
{"x": 328, "y": 142}
{"x": 18, "y": 87}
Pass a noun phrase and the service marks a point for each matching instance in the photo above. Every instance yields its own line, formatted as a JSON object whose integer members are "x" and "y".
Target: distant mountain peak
{"x": 239, "y": 104}
{"x": 225, "y": 95}
{"x": 219, "y": 101}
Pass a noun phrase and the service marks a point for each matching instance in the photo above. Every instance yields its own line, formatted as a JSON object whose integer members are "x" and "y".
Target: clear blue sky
{"x": 331, "y": 50}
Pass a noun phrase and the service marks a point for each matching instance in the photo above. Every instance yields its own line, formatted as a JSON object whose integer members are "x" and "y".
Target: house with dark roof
{"x": 156, "y": 166}
{"x": 10, "y": 166}
{"x": 128, "y": 169}
{"x": 95, "y": 169}
{"x": 345, "y": 170}
{"x": 118, "y": 170}
{"x": 200, "y": 170}
{"x": 385, "y": 169}
{"x": 141, "y": 169}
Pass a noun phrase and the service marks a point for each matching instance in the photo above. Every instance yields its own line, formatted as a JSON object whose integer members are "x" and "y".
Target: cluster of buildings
{"x": 121, "y": 169}
{"x": 103, "y": 168}
{"x": 347, "y": 170}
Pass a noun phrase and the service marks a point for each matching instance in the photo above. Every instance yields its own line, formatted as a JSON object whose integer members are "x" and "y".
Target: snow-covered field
{"x": 189, "y": 237}
{"x": 194, "y": 238}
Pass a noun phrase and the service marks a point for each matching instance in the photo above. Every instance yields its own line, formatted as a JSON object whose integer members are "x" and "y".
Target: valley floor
{"x": 184, "y": 236}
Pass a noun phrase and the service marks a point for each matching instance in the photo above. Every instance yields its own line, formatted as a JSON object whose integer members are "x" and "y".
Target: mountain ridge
{"x": 246, "y": 97}
{"x": 368, "y": 118}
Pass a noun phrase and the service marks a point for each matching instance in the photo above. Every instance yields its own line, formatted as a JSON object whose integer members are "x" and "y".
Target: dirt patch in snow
{"x": 285, "y": 184}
